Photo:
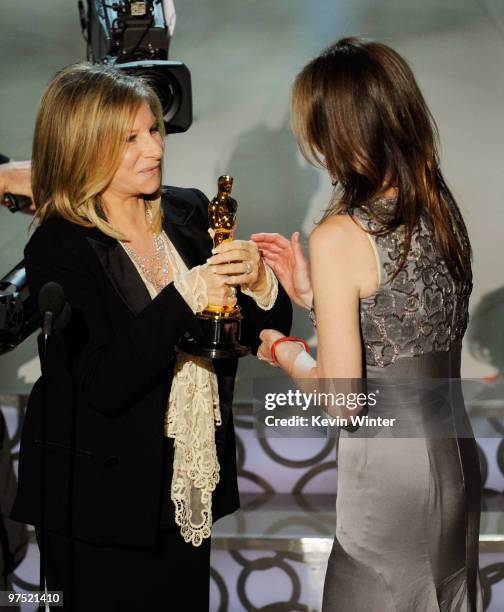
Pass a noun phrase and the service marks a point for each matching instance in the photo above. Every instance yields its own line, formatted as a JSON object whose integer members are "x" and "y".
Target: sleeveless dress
{"x": 408, "y": 509}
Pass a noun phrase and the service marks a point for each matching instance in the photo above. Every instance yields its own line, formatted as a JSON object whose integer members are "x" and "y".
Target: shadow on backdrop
{"x": 273, "y": 191}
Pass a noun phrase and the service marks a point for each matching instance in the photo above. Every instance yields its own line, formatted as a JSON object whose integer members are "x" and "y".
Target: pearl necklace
{"x": 156, "y": 269}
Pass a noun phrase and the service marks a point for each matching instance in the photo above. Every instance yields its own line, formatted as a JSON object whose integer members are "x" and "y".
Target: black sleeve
{"x": 13, "y": 535}
{"x": 111, "y": 370}
{"x": 256, "y": 319}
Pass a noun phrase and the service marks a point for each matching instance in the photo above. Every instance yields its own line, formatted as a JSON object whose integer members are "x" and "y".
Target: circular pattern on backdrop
{"x": 297, "y": 463}
{"x": 223, "y": 592}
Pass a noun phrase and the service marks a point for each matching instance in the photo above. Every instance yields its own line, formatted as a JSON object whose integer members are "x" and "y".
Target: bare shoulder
{"x": 334, "y": 232}
{"x": 344, "y": 242}
{"x": 339, "y": 234}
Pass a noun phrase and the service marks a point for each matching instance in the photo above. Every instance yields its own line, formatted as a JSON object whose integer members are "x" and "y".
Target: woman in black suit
{"x": 140, "y": 447}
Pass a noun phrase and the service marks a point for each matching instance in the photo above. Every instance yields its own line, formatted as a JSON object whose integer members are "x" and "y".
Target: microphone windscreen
{"x": 51, "y": 298}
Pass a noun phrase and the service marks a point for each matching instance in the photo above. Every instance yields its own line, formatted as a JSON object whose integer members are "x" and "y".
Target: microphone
{"x": 53, "y": 307}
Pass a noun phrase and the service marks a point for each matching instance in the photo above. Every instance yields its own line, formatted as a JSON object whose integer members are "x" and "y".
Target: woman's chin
{"x": 151, "y": 188}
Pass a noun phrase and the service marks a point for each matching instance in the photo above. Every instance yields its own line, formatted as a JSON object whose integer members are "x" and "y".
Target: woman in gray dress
{"x": 390, "y": 273}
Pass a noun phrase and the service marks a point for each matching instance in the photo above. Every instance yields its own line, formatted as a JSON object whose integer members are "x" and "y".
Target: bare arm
{"x": 335, "y": 271}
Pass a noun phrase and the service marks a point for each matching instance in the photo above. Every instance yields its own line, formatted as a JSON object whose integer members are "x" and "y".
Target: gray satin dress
{"x": 408, "y": 509}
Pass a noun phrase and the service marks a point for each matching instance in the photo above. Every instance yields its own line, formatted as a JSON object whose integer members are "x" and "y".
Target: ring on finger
{"x": 232, "y": 292}
{"x": 248, "y": 267}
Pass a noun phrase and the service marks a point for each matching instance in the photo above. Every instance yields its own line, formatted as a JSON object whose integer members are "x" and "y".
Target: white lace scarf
{"x": 193, "y": 409}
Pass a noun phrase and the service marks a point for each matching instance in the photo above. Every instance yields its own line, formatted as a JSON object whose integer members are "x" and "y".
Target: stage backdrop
{"x": 243, "y": 57}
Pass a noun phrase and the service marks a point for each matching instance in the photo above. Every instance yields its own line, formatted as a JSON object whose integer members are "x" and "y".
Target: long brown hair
{"x": 357, "y": 111}
{"x": 82, "y": 123}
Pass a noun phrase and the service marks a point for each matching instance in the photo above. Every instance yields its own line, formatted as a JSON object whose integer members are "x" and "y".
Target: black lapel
{"x": 121, "y": 272}
{"x": 187, "y": 232}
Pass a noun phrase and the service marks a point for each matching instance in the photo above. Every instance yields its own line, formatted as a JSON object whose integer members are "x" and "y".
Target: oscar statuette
{"x": 221, "y": 324}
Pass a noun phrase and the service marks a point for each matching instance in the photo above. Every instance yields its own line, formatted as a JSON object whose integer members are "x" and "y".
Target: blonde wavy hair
{"x": 83, "y": 121}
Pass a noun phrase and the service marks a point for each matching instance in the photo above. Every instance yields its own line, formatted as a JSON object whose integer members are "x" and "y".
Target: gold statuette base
{"x": 221, "y": 337}
{"x": 220, "y": 312}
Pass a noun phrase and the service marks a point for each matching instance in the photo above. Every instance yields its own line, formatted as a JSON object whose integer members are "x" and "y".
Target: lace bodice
{"x": 422, "y": 310}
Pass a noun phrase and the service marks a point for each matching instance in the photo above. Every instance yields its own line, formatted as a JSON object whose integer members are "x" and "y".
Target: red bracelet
{"x": 287, "y": 339}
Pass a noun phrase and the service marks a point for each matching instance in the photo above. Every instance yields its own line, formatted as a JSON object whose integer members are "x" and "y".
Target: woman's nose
{"x": 153, "y": 146}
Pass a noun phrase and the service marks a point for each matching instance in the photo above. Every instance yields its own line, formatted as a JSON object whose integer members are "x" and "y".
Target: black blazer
{"x": 13, "y": 536}
{"x": 108, "y": 379}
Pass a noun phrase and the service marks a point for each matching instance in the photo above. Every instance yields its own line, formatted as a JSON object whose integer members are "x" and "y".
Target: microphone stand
{"x": 47, "y": 329}
{"x": 55, "y": 315}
